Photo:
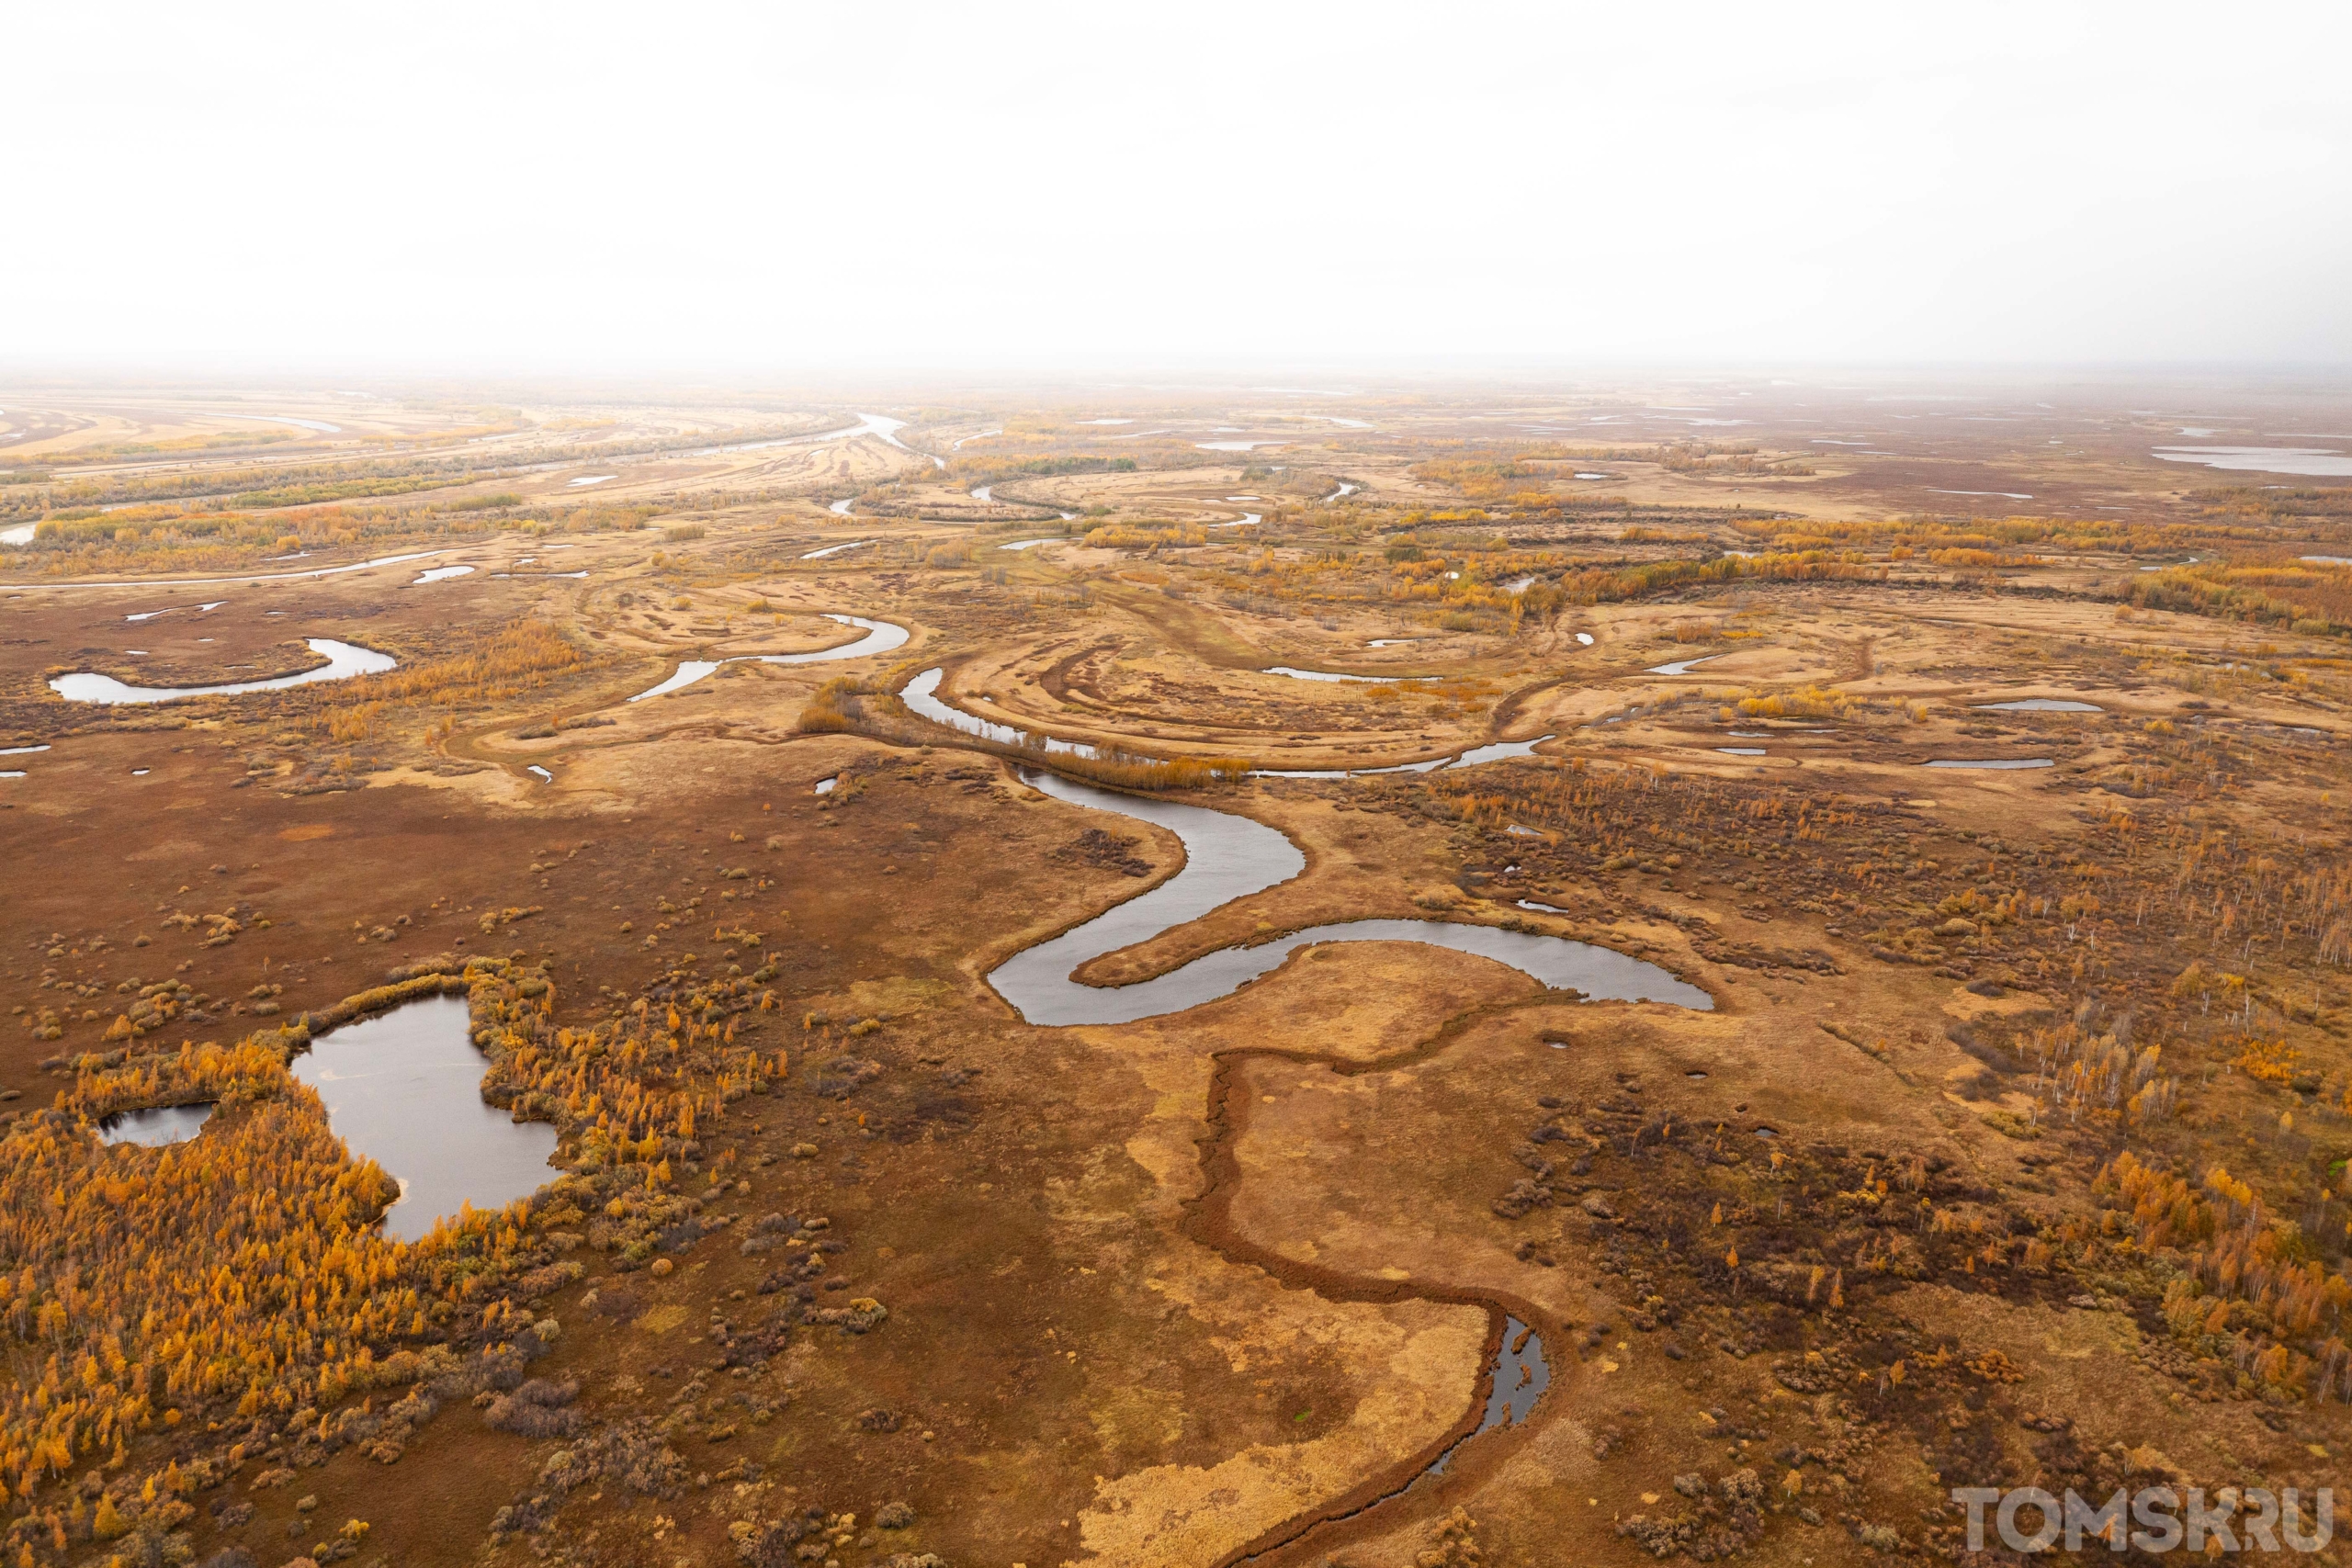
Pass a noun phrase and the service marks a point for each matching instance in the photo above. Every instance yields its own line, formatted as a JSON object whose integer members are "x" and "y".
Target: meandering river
{"x": 1228, "y": 856}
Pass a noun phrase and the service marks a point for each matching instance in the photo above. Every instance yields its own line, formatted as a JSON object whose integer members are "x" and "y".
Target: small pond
{"x": 155, "y": 1126}
{"x": 404, "y": 1090}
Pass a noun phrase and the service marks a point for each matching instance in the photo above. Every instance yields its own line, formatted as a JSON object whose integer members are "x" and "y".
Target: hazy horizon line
{"x": 1139, "y": 373}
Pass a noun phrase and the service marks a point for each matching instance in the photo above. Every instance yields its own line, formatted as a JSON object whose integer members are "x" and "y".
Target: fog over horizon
{"x": 1062, "y": 190}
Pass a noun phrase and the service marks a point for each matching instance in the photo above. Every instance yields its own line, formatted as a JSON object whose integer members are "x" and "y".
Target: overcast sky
{"x": 771, "y": 187}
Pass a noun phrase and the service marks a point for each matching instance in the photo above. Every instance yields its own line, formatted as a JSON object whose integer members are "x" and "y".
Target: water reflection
{"x": 1296, "y": 675}
{"x": 880, "y": 636}
{"x": 2312, "y": 461}
{"x": 404, "y": 1089}
{"x": 344, "y": 661}
{"x": 1228, "y": 857}
{"x": 1995, "y": 763}
{"x": 921, "y": 697}
{"x": 1521, "y": 1374}
{"x": 2040, "y": 704}
{"x": 156, "y": 1125}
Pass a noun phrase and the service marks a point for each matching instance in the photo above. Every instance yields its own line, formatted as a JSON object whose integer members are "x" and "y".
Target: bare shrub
{"x": 536, "y": 1410}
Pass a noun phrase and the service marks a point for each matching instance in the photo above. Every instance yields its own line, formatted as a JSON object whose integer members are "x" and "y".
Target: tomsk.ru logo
{"x": 2156, "y": 1519}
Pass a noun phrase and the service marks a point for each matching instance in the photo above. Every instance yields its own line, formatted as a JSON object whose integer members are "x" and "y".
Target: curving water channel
{"x": 921, "y": 697}
{"x": 322, "y": 426}
{"x": 1496, "y": 752}
{"x": 1228, "y": 857}
{"x": 1994, "y": 763}
{"x": 876, "y": 424}
{"x": 343, "y": 662}
{"x": 255, "y": 576}
{"x": 1297, "y": 675}
{"x": 1681, "y": 666}
{"x": 880, "y": 636}
{"x": 2040, "y": 704}
{"x": 404, "y": 1090}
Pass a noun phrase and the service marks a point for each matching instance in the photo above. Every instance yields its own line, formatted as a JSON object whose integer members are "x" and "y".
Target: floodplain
{"x": 1437, "y": 974}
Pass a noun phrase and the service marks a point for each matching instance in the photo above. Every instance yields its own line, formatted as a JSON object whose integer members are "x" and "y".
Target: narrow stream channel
{"x": 880, "y": 636}
{"x": 1681, "y": 665}
{"x": 254, "y": 576}
{"x": 1521, "y": 1374}
{"x": 921, "y": 697}
{"x": 1228, "y": 856}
